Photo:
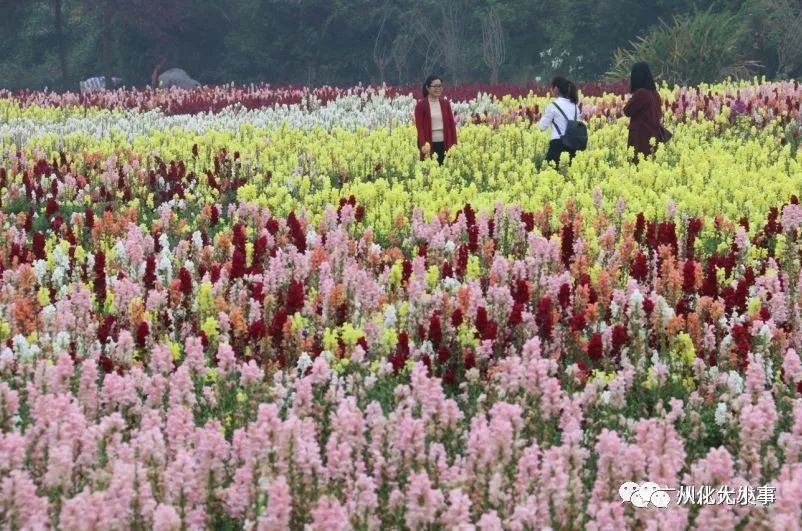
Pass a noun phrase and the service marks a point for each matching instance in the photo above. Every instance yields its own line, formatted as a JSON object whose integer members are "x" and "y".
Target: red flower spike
{"x": 639, "y": 270}
{"x": 443, "y": 355}
{"x": 296, "y": 233}
{"x": 521, "y": 294}
{"x": 257, "y": 330}
{"x": 239, "y": 238}
{"x": 295, "y": 297}
{"x": 516, "y": 315}
{"x": 237, "y": 264}
{"x": 481, "y": 319}
{"x": 469, "y": 360}
{"x": 689, "y": 277}
{"x": 142, "y": 332}
{"x": 435, "y": 331}
{"x": 595, "y": 347}
{"x": 567, "y": 245}
{"x": 619, "y": 337}
{"x": 578, "y": 322}
{"x": 39, "y": 246}
{"x": 456, "y": 318}
{"x": 543, "y": 317}
{"x": 186, "y": 281}
{"x": 564, "y": 296}
{"x": 359, "y": 213}
{"x": 445, "y": 270}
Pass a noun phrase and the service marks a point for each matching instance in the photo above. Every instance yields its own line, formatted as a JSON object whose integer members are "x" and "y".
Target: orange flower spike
{"x": 488, "y": 250}
{"x": 26, "y": 279}
{"x": 26, "y": 315}
{"x": 581, "y": 296}
{"x": 592, "y": 313}
{"x": 136, "y": 311}
{"x": 604, "y": 288}
{"x": 319, "y": 256}
{"x": 694, "y": 326}
{"x": 580, "y": 265}
{"x": 175, "y": 291}
{"x": 464, "y": 299}
{"x": 676, "y": 325}
{"x": 238, "y": 322}
{"x": 220, "y": 304}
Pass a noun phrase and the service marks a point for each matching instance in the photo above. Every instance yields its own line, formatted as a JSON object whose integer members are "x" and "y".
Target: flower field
{"x": 256, "y": 308}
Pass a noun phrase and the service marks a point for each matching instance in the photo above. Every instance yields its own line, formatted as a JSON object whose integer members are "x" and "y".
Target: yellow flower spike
{"x": 389, "y": 338}
{"x": 350, "y": 335}
{"x": 330, "y": 339}
{"x": 43, "y": 297}
{"x": 108, "y": 304}
{"x": 466, "y": 336}
{"x": 175, "y": 350}
{"x": 210, "y": 328}
{"x": 781, "y": 247}
{"x": 473, "y": 271}
{"x": 396, "y": 273}
{"x": 249, "y": 252}
{"x": 205, "y": 299}
{"x": 432, "y": 277}
{"x": 298, "y": 321}
{"x": 682, "y": 349}
{"x": 374, "y": 367}
{"x": 651, "y": 379}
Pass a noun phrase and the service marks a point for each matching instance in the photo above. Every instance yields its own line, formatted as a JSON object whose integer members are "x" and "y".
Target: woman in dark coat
{"x": 434, "y": 120}
{"x": 643, "y": 110}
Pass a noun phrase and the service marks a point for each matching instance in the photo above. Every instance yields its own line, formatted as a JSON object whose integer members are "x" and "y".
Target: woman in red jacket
{"x": 644, "y": 111}
{"x": 434, "y": 120}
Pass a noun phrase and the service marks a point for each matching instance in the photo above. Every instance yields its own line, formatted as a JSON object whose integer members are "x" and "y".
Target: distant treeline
{"x": 57, "y": 43}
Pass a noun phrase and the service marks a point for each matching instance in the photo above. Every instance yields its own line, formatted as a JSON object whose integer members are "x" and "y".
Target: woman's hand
{"x": 426, "y": 149}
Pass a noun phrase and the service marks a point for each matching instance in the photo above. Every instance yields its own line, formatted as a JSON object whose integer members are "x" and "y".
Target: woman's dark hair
{"x": 429, "y": 80}
{"x": 567, "y": 88}
{"x": 641, "y": 78}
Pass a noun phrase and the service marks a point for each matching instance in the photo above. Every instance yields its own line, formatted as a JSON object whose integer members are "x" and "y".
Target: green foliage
{"x": 778, "y": 23}
{"x": 698, "y": 48}
{"x": 343, "y": 42}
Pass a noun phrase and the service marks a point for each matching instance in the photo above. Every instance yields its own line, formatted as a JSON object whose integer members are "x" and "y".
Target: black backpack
{"x": 575, "y": 137}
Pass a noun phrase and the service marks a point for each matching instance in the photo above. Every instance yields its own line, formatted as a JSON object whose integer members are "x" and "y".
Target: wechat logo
{"x": 643, "y": 495}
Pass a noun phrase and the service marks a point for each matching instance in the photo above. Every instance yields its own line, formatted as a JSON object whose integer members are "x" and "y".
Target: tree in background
{"x": 698, "y": 48}
{"x": 442, "y": 28}
{"x": 50, "y": 43}
{"x": 780, "y": 21}
{"x": 58, "y": 26}
{"x": 382, "y": 51}
{"x": 493, "y": 51}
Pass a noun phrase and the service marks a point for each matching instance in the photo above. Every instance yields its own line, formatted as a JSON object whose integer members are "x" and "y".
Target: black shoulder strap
{"x": 557, "y": 127}
{"x": 561, "y": 112}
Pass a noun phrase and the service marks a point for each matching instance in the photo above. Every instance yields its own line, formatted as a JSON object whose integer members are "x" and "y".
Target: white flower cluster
{"x": 349, "y": 112}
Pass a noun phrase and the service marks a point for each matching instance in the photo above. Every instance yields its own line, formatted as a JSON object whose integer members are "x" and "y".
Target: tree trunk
{"x": 62, "y": 50}
{"x": 106, "y": 39}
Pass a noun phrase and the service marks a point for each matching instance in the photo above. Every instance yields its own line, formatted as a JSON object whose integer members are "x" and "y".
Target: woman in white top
{"x": 556, "y": 116}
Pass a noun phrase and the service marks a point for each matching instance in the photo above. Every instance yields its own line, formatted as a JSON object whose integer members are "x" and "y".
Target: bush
{"x": 697, "y": 48}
